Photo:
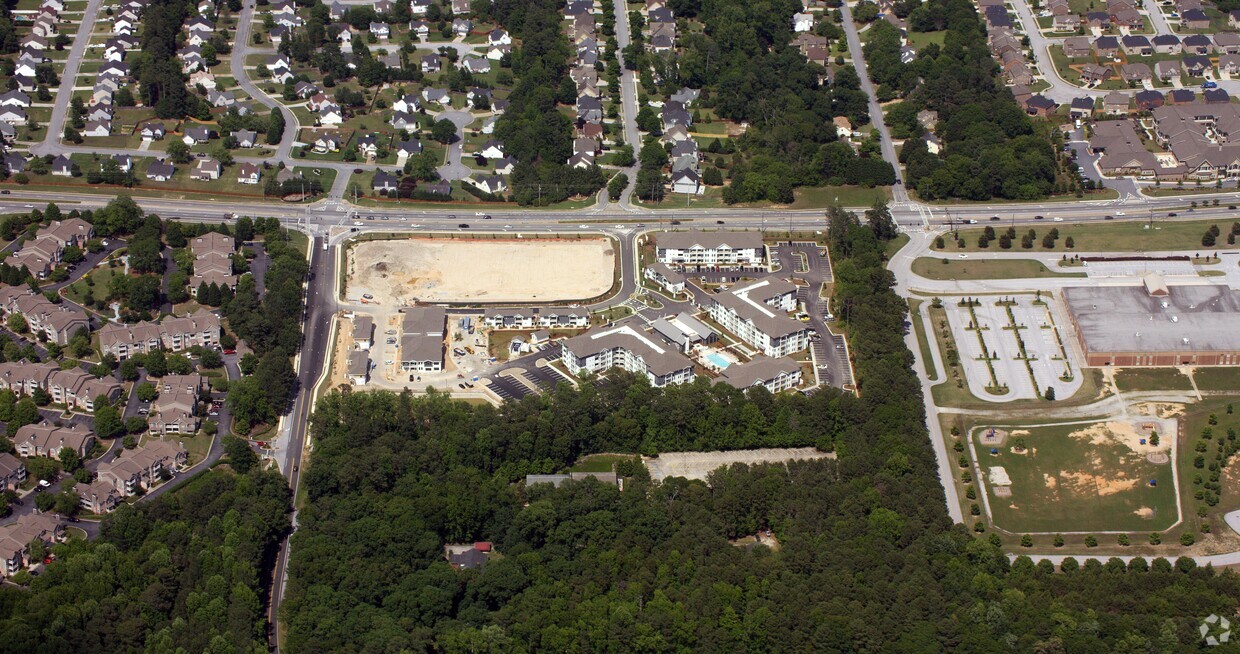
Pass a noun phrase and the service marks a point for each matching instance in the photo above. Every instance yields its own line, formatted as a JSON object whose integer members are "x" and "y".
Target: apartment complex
{"x": 212, "y": 261}
{"x": 16, "y": 537}
{"x": 1201, "y": 141}
{"x": 172, "y": 333}
{"x": 98, "y": 497}
{"x": 671, "y": 281}
{"x": 12, "y": 472}
{"x": 48, "y": 440}
{"x": 174, "y": 412}
{"x": 47, "y": 249}
{"x": 536, "y": 318}
{"x": 74, "y": 388}
{"x": 625, "y": 345}
{"x": 756, "y": 312}
{"x": 423, "y": 330}
{"x": 140, "y": 468}
{"x": 57, "y": 322}
{"x": 775, "y": 375}
{"x": 709, "y": 248}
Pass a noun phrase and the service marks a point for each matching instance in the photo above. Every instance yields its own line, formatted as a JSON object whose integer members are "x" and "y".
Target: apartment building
{"x": 12, "y": 472}
{"x": 57, "y": 322}
{"x": 174, "y": 413}
{"x": 363, "y": 332}
{"x": 15, "y": 539}
{"x": 757, "y": 313}
{"x": 141, "y": 468}
{"x": 98, "y": 497}
{"x": 172, "y": 333}
{"x": 536, "y": 318}
{"x": 48, "y": 440}
{"x": 423, "y": 330}
{"x": 624, "y": 345}
{"x": 709, "y": 248}
{"x": 46, "y": 250}
{"x": 73, "y": 388}
{"x": 776, "y": 375}
{"x": 212, "y": 261}
{"x": 671, "y": 281}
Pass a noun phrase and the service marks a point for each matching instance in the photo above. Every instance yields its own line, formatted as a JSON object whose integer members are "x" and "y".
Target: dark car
{"x": 463, "y": 226}
{"x": 1172, "y": 215}
{"x": 1108, "y": 217}
{"x": 675, "y": 222}
{"x": 1037, "y": 217}
{"x": 718, "y": 222}
{"x": 994, "y": 218}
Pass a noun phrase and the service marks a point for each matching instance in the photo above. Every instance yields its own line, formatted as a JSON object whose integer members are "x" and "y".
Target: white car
{"x": 43, "y": 483}
{"x": 584, "y": 226}
{"x": 1119, "y": 213}
{"x": 1057, "y": 219}
{"x": 962, "y": 256}
{"x": 358, "y": 223}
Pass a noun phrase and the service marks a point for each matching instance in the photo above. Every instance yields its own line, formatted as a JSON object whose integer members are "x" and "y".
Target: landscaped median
{"x": 180, "y": 186}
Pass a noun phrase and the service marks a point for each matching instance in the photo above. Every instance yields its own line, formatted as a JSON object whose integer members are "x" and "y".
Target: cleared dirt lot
{"x": 479, "y": 270}
{"x": 697, "y": 465}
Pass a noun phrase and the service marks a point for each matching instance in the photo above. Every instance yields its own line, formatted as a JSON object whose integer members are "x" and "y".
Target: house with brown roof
{"x": 12, "y": 472}
{"x": 143, "y": 467}
{"x": 1136, "y": 73}
{"x": 1075, "y": 47}
{"x": 98, "y": 497}
{"x": 16, "y": 537}
{"x": 174, "y": 413}
{"x": 48, "y": 440}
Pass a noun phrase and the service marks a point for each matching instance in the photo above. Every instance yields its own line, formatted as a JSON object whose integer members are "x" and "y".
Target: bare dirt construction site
{"x": 402, "y": 271}
{"x": 697, "y": 465}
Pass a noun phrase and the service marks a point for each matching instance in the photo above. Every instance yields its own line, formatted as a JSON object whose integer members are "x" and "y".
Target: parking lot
{"x": 1139, "y": 268}
{"x": 1041, "y": 346}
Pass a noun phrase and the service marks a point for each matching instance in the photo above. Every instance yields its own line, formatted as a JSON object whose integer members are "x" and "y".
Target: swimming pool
{"x": 718, "y": 360}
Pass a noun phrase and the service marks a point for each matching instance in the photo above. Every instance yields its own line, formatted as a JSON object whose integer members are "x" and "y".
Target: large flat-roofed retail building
{"x": 1156, "y": 325}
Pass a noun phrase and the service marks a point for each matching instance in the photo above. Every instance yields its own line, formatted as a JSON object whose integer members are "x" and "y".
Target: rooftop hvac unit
{"x": 1175, "y": 319}
{"x": 1184, "y": 340}
{"x": 1165, "y": 304}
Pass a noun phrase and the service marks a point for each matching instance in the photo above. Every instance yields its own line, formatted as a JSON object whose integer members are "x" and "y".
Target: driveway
{"x": 453, "y": 169}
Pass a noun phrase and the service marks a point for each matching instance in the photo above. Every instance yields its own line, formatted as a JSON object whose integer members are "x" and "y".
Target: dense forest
{"x": 533, "y": 131}
{"x": 184, "y": 573}
{"x": 749, "y": 71}
{"x": 867, "y": 559}
{"x": 991, "y": 148}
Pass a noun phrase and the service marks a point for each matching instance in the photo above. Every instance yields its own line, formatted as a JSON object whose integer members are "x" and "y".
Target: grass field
{"x": 1151, "y": 379}
{"x": 599, "y": 462}
{"x": 848, "y": 196}
{"x": 1082, "y": 477}
{"x": 1217, "y": 379}
{"x": 945, "y": 269}
{"x": 1117, "y": 236}
{"x": 101, "y": 275}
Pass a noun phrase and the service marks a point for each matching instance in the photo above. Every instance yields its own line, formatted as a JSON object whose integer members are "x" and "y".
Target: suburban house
{"x": 206, "y": 170}
{"x": 248, "y": 173}
{"x": 358, "y": 368}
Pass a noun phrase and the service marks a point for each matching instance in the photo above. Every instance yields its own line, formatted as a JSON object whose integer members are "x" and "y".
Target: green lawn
{"x": 946, "y": 269}
{"x": 1113, "y": 236}
{"x": 1217, "y": 379}
{"x": 848, "y": 196}
{"x": 923, "y": 343}
{"x": 1151, "y": 379}
{"x": 599, "y": 462}
{"x": 1082, "y": 477}
{"x": 919, "y": 40}
{"x": 102, "y": 276}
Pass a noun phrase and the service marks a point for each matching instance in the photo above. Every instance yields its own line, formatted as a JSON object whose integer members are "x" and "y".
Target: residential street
{"x": 899, "y": 195}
